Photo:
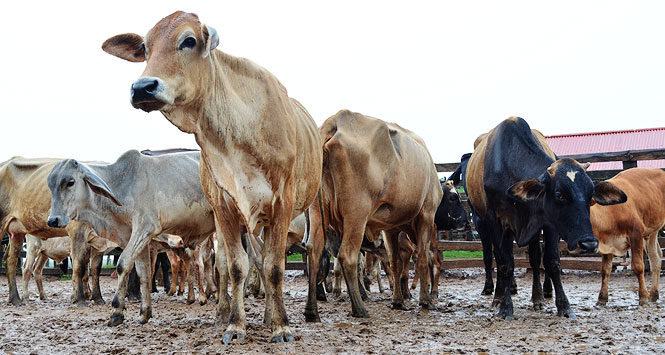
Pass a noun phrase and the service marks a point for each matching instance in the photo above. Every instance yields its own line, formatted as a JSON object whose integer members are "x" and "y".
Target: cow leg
{"x": 274, "y": 258}
{"x": 15, "y": 246}
{"x": 391, "y": 241}
{"x": 503, "y": 244}
{"x": 189, "y": 277}
{"x": 416, "y": 275}
{"x": 153, "y": 263}
{"x": 95, "y": 270}
{"x": 547, "y": 287}
{"x": 144, "y": 271}
{"x": 337, "y": 278}
{"x": 85, "y": 280}
{"x": 137, "y": 245}
{"x": 605, "y": 272}
{"x": 211, "y": 288}
{"x": 637, "y": 263}
{"x": 354, "y": 230}
{"x": 182, "y": 278}
{"x": 553, "y": 269}
{"x": 324, "y": 269}
{"x": 200, "y": 278}
{"x": 655, "y": 261}
{"x": 361, "y": 287}
{"x": 28, "y": 269}
{"x": 39, "y": 268}
{"x": 80, "y": 259}
{"x": 435, "y": 269}
{"x": 315, "y": 255}
{"x": 406, "y": 253}
{"x": 424, "y": 229}
{"x": 166, "y": 265}
{"x": 535, "y": 257}
{"x": 175, "y": 270}
{"x": 223, "y": 300}
{"x": 488, "y": 256}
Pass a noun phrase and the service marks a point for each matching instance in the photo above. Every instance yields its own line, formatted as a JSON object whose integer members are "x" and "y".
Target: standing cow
{"x": 24, "y": 207}
{"x": 519, "y": 190}
{"x": 260, "y": 149}
{"x": 376, "y": 176}
{"x": 633, "y": 225}
{"x": 132, "y": 202}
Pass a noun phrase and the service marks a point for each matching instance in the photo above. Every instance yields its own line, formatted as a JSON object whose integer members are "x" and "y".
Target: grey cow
{"x": 132, "y": 202}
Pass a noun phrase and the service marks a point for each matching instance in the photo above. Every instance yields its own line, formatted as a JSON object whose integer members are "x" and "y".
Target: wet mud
{"x": 463, "y": 322}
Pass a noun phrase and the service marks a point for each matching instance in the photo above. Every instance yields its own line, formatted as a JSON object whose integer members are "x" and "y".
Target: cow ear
{"x": 526, "y": 190}
{"x": 98, "y": 186}
{"x": 606, "y": 193}
{"x": 127, "y": 46}
{"x": 211, "y": 39}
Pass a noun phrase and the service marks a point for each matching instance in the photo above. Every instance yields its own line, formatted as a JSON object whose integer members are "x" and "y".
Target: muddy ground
{"x": 462, "y": 323}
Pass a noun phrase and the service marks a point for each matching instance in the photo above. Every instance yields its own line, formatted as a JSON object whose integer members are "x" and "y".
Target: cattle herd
{"x": 266, "y": 179}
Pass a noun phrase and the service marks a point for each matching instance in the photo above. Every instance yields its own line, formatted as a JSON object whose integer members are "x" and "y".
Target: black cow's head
{"x": 450, "y": 214}
{"x": 561, "y": 197}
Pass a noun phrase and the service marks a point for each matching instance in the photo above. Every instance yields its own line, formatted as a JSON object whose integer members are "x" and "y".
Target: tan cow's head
{"x": 177, "y": 51}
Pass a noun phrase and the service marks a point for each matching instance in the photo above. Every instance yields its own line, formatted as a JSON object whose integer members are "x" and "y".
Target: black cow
{"x": 519, "y": 190}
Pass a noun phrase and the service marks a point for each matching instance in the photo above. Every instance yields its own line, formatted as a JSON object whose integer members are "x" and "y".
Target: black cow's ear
{"x": 606, "y": 193}
{"x": 526, "y": 190}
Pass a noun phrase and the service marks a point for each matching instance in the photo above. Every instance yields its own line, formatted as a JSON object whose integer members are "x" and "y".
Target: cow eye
{"x": 70, "y": 183}
{"x": 560, "y": 197}
{"x": 189, "y": 42}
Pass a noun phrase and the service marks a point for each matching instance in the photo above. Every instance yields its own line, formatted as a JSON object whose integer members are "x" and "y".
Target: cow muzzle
{"x": 147, "y": 94}
{"x": 57, "y": 222}
{"x": 587, "y": 245}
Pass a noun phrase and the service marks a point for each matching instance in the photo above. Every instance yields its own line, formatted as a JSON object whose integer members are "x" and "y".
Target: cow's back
{"x": 643, "y": 212}
{"x": 26, "y": 198}
{"x": 509, "y": 153}
{"x": 368, "y": 157}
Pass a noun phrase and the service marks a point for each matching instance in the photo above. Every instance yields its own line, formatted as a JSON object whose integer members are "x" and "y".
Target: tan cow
{"x": 376, "y": 176}
{"x": 632, "y": 225}
{"x": 187, "y": 265}
{"x": 39, "y": 251}
{"x": 25, "y": 201}
{"x": 260, "y": 150}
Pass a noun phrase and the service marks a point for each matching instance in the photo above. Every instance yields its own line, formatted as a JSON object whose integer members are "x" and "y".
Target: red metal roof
{"x": 612, "y": 141}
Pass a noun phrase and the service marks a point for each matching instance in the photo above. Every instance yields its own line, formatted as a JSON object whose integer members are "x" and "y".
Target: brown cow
{"x": 631, "y": 225}
{"x": 367, "y": 165}
{"x": 39, "y": 251}
{"x": 260, "y": 153}
{"x": 25, "y": 201}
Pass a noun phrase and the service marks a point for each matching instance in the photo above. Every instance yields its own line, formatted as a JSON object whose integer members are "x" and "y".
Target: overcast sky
{"x": 447, "y": 70}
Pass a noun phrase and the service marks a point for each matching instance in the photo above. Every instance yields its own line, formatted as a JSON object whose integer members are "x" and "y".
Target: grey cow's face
{"x": 67, "y": 192}
{"x": 73, "y": 188}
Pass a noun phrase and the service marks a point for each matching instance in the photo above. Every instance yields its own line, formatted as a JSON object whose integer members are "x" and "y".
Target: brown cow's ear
{"x": 128, "y": 46}
{"x": 211, "y": 39}
{"x": 606, "y": 193}
{"x": 527, "y": 190}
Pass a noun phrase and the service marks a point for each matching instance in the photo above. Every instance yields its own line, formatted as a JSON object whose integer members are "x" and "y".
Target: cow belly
{"x": 616, "y": 245}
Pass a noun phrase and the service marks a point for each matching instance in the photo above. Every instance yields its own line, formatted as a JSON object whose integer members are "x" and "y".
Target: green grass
{"x": 461, "y": 254}
{"x": 108, "y": 266}
{"x": 294, "y": 257}
{"x": 65, "y": 277}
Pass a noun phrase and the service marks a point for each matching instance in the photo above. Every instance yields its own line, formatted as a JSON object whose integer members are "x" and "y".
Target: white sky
{"x": 447, "y": 70}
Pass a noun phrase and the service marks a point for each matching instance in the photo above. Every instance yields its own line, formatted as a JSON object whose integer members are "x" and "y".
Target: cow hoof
{"x": 654, "y": 297}
{"x": 190, "y": 300}
{"x": 180, "y": 293}
{"x": 513, "y": 291}
{"x": 203, "y": 301}
{"x": 601, "y": 302}
{"x": 231, "y": 334}
{"x": 312, "y": 318}
{"x": 496, "y": 302}
{"x": 360, "y": 314}
{"x": 116, "y": 318}
{"x": 538, "y": 305}
{"x": 548, "y": 295}
{"x": 43, "y": 298}
{"x": 644, "y": 303}
{"x": 282, "y": 338}
{"x": 399, "y": 306}
{"x": 506, "y": 313}
{"x": 99, "y": 301}
{"x": 81, "y": 303}
{"x": 487, "y": 292}
{"x": 566, "y": 312}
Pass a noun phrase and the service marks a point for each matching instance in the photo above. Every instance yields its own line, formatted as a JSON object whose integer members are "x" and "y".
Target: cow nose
{"x": 144, "y": 89}
{"x": 53, "y": 222}
{"x": 588, "y": 246}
